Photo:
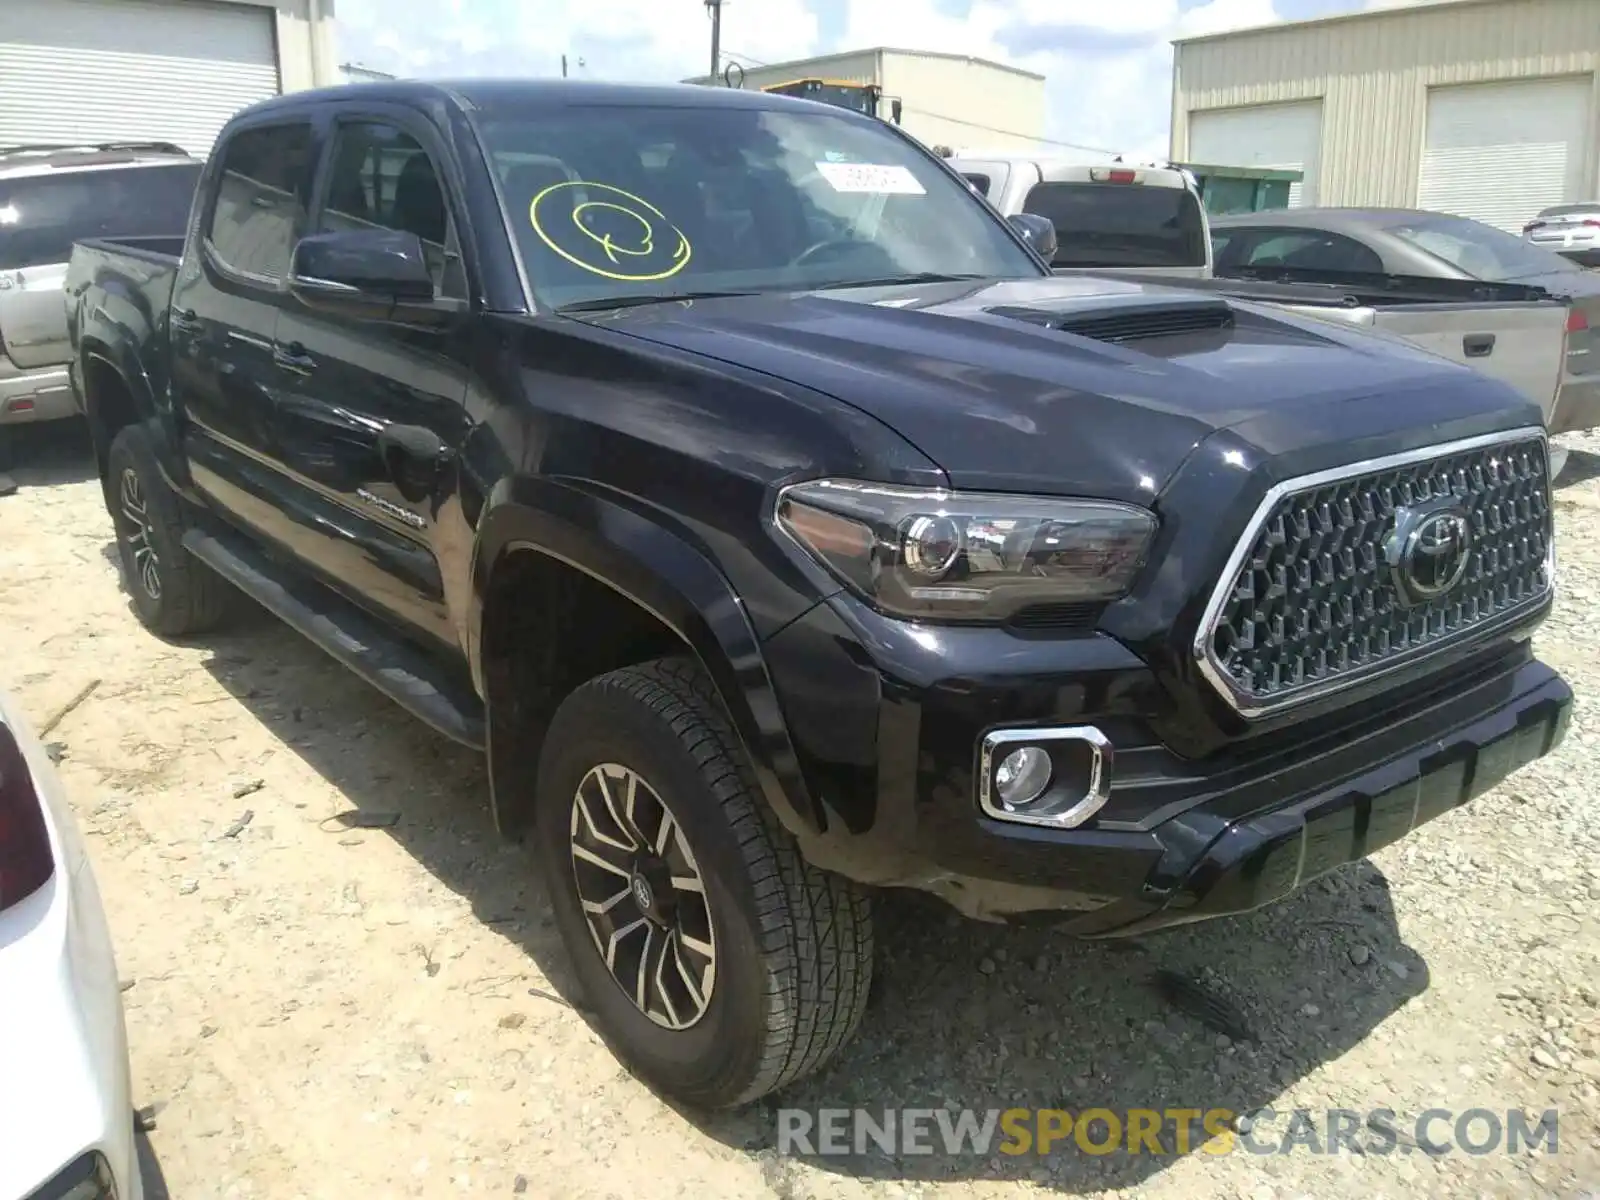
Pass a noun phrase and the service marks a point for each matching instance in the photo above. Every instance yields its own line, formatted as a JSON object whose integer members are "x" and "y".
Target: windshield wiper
{"x": 891, "y": 280}
{"x": 603, "y": 302}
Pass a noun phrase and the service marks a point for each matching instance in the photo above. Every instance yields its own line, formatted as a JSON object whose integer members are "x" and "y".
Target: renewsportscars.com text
{"x": 840, "y": 1132}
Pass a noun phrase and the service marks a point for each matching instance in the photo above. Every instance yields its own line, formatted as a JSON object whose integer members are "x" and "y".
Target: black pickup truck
{"x": 782, "y": 529}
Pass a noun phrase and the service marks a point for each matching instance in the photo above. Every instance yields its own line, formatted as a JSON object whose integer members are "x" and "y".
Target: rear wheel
{"x": 172, "y": 591}
{"x": 718, "y": 963}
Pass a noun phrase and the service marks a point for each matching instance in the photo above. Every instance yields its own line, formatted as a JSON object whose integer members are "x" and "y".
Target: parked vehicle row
{"x": 1458, "y": 288}
{"x": 1345, "y": 244}
{"x": 781, "y": 528}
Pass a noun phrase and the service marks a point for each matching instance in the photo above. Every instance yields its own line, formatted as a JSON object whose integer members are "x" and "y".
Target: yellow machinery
{"x": 842, "y": 93}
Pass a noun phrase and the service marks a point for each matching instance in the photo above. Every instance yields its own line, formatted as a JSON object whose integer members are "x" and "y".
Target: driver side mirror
{"x": 1039, "y": 232}
{"x": 373, "y": 273}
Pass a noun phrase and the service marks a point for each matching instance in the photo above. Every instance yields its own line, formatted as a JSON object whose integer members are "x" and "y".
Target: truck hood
{"x": 1059, "y": 385}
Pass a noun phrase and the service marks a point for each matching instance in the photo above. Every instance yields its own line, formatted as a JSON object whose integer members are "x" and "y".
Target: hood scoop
{"x": 1130, "y": 321}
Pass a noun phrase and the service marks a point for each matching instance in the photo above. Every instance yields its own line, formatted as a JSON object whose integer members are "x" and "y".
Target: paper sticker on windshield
{"x": 870, "y": 177}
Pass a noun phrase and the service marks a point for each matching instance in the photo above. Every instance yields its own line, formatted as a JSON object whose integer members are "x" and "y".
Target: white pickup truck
{"x": 1146, "y": 219}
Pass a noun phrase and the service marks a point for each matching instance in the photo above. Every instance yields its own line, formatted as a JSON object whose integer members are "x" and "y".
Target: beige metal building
{"x": 1485, "y": 108}
{"x": 162, "y": 70}
{"x": 946, "y": 99}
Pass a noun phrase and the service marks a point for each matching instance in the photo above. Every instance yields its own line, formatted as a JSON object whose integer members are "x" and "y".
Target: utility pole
{"x": 716, "y": 35}
{"x": 563, "y": 66}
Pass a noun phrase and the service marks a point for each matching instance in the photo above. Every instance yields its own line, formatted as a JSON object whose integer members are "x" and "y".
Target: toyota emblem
{"x": 1429, "y": 550}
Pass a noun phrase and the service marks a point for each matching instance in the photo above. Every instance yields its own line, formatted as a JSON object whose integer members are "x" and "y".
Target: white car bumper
{"x": 65, "y": 1092}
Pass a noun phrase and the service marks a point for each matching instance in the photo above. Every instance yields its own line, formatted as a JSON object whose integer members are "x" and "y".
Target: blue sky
{"x": 1108, "y": 62}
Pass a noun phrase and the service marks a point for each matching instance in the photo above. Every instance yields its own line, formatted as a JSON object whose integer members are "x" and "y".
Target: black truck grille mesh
{"x": 1315, "y": 601}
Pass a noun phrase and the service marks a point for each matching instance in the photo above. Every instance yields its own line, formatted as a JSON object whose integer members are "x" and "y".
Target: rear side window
{"x": 981, "y": 182}
{"x": 42, "y": 215}
{"x": 1121, "y": 225}
{"x": 261, "y": 199}
{"x": 1310, "y": 250}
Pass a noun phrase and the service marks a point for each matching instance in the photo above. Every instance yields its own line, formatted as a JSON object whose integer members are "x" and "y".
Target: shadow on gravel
{"x": 47, "y": 454}
{"x": 963, "y": 1015}
{"x": 155, "y": 1182}
{"x": 1582, "y": 466}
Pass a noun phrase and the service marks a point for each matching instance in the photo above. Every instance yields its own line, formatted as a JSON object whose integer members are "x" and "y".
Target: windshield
{"x": 1121, "y": 225}
{"x": 42, "y": 215}
{"x": 611, "y": 202}
{"x": 1480, "y": 250}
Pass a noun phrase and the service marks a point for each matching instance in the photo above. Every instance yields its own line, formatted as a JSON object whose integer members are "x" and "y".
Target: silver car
{"x": 50, "y": 197}
{"x": 1571, "y": 230}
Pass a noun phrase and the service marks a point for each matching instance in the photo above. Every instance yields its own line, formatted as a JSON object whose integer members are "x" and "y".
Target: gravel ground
{"x": 340, "y": 984}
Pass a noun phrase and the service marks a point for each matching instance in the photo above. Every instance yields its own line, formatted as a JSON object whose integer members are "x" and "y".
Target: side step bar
{"x": 406, "y": 675}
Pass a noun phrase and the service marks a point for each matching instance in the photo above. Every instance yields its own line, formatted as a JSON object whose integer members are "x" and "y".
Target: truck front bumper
{"x": 894, "y": 755}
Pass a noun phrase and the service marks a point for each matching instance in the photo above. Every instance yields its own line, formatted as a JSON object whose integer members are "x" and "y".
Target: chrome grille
{"x": 1312, "y": 599}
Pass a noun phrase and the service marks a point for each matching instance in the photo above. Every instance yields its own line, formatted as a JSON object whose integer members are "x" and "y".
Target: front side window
{"x": 261, "y": 199}
{"x": 609, "y": 202}
{"x": 42, "y": 215}
{"x": 1478, "y": 250}
{"x": 1121, "y": 225}
{"x": 382, "y": 178}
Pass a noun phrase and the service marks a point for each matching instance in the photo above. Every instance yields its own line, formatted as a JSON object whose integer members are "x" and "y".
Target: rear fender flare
{"x": 663, "y": 573}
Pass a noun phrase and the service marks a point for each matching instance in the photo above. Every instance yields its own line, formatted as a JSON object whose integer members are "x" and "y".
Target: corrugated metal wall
{"x": 1373, "y": 75}
{"x": 966, "y": 102}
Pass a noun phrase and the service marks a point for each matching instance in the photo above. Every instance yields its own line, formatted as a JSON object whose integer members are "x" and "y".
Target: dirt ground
{"x": 340, "y": 984}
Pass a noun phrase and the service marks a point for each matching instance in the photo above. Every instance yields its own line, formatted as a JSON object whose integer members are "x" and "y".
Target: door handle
{"x": 1478, "y": 345}
{"x": 413, "y": 456}
{"x": 293, "y": 357}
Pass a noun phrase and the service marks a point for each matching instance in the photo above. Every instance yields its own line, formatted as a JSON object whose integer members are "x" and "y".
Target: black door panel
{"x": 370, "y": 413}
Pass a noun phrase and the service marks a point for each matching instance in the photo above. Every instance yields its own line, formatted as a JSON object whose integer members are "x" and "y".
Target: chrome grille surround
{"x": 1306, "y": 605}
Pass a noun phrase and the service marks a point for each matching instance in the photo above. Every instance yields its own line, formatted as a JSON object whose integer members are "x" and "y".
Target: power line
{"x": 1010, "y": 132}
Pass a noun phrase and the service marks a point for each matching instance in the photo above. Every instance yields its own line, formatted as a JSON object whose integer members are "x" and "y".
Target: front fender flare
{"x": 662, "y": 572}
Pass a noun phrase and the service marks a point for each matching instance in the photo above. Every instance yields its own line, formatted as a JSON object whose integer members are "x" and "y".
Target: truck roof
{"x": 541, "y": 93}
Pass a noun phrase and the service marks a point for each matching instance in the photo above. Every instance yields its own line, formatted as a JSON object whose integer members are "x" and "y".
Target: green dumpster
{"x": 1241, "y": 189}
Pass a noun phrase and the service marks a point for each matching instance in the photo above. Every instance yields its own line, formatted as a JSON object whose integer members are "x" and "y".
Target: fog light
{"x": 1057, "y": 778}
{"x": 1022, "y": 777}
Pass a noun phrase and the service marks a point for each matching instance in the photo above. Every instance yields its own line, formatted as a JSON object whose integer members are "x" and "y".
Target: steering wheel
{"x": 815, "y": 249}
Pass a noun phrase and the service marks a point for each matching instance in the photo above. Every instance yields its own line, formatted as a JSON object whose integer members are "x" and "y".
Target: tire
{"x": 792, "y": 945}
{"x": 173, "y": 592}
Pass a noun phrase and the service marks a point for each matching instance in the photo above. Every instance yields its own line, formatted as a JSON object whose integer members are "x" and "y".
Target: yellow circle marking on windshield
{"x": 639, "y": 237}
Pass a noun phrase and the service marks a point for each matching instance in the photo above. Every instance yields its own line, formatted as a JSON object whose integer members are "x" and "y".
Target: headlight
{"x": 966, "y": 556}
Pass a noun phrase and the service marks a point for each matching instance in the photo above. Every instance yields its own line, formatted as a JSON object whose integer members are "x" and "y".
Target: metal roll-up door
{"x": 1274, "y": 137}
{"x": 1500, "y": 152}
{"x": 131, "y": 70}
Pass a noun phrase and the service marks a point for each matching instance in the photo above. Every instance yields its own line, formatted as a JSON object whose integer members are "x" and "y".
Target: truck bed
{"x": 129, "y": 280}
{"x": 1511, "y": 332}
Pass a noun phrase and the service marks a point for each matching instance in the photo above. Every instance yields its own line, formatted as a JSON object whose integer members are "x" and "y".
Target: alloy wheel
{"x": 643, "y": 896}
{"x": 137, "y": 533}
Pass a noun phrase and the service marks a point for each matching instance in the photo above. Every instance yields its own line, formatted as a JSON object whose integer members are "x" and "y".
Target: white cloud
{"x": 1107, "y": 62}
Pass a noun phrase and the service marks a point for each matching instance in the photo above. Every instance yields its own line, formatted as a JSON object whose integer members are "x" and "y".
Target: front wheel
{"x": 719, "y": 964}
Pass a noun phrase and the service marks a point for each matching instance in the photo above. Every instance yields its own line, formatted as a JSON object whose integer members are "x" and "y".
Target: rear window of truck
{"x": 1121, "y": 225}
{"x": 42, "y": 215}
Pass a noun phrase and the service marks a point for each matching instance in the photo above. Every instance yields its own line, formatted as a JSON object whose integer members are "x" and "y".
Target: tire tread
{"x": 815, "y": 926}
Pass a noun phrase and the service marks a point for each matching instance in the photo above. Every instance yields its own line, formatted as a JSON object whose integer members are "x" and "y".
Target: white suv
{"x": 50, "y": 197}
